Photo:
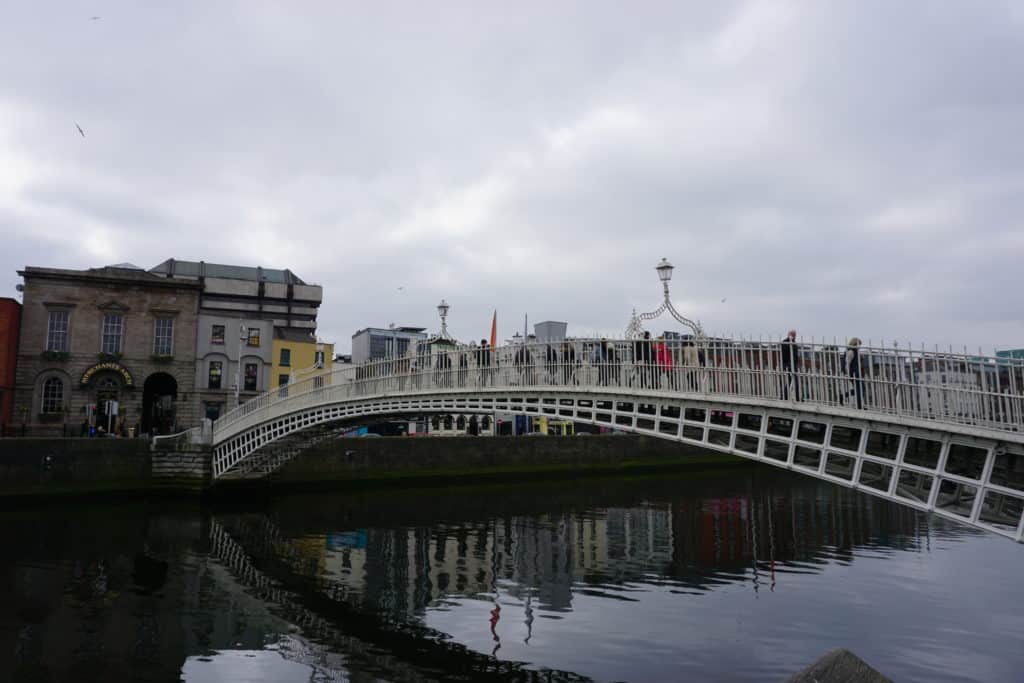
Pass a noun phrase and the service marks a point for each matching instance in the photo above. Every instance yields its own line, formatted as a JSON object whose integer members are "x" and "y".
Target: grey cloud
{"x": 850, "y": 168}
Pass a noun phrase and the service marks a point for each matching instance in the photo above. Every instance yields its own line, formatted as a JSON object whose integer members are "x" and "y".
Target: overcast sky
{"x": 843, "y": 168}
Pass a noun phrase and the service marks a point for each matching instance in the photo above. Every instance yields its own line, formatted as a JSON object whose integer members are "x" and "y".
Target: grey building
{"x": 550, "y": 330}
{"x": 373, "y": 343}
{"x": 240, "y": 307}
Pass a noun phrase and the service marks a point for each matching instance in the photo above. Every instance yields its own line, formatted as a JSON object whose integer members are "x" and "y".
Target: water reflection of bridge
{"x": 693, "y": 545}
{"x": 329, "y": 623}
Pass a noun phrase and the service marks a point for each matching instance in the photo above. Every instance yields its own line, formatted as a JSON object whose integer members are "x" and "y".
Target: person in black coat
{"x": 483, "y": 361}
{"x": 790, "y": 365}
{"x": 642, "y": 358}
{"x": 568, "y": 363}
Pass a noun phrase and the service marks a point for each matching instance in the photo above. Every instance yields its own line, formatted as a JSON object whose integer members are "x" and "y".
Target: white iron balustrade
{"x": 934, "y": 430}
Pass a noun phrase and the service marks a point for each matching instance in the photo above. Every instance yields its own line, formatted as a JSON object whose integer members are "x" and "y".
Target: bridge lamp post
{"x": 635, "y": 328}
{"x": 664, "y": 269}
{"x": 243, "y": 336}
{"x": 442, "y": 310}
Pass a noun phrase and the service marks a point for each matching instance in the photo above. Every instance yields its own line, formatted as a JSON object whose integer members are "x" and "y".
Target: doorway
{"x": 108, "y": 395}
{"x": 159, "y": 394}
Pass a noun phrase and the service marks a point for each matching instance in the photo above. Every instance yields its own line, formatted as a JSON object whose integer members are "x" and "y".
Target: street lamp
{"x": 664, "y": 269}
{"x": 442, "y": 310}
{"x": 635, "y": 328}
{"x": 243, "y": 336}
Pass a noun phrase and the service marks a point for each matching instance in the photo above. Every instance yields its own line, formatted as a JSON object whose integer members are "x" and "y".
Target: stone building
{"x": 102, "y": 341}
{"x": 241, "y": 308}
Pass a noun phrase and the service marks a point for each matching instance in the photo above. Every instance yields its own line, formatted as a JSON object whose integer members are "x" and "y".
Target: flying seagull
{"x": 723, "y": 300}
{"x": 80, "y": 130}
{"x": 94, "y": 18}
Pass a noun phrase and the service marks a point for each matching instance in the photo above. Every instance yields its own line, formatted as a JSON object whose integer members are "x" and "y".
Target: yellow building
{"x": 296, "y": 355}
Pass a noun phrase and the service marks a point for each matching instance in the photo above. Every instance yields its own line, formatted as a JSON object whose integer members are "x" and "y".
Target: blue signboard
{"x": 346, "y": 539}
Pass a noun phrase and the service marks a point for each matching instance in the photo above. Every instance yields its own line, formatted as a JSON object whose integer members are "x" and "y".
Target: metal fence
{"x": 948, "y": 387}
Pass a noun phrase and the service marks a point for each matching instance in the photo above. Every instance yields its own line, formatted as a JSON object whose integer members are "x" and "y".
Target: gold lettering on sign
{"x": 112, "y": 367}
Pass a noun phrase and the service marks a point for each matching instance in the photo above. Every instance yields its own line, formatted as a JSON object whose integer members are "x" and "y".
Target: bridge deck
{"x": 933, "y": 430}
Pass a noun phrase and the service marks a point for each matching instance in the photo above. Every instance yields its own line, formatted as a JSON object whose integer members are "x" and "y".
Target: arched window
{"x": 53, "y": 396}
{"x": 447, "y": 421}
{"x": 485, "y": 422}
{"x": 460, "y": 423}
{"x": 435, "y": 422}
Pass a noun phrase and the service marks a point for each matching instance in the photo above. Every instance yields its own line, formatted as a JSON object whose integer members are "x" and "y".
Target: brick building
{"x": 10, "y": 323}
{"x": 104, "y": 339}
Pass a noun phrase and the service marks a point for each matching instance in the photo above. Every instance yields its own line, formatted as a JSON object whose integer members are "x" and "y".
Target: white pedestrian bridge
{"x": 939, "y": 431}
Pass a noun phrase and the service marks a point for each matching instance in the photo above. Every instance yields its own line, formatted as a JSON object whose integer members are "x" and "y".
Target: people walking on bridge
{"x": 483, "y": 362}
{"x": 642, "y": 359}
{"x": 599, "y": 359}
{"x": 691, "y": 361}
{"x": 521, "y": 360}
{"x": 551, "y": 363}
{"x": 613, "y": 365}
{"x": 463, "y": 371}
{"x": 853, "y": 370}
{"x": 665, "y": 369}
{"x": 568, "y": 363}
{"x": 790, "y": 366}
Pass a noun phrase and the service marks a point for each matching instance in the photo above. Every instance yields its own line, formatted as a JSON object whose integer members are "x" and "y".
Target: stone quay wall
{"x": 454, "y": 458}
{"x": 42, "y": 467}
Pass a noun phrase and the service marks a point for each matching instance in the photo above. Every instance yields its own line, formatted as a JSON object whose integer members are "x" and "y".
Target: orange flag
{"x": 494, "y": 329}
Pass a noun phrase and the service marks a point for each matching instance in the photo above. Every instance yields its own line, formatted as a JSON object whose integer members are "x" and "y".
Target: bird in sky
{"x": 401, "y": 288}
{"x": 80, "y": 130}
{"x": 723, "y": 300}
{"x": 94, "y": 18}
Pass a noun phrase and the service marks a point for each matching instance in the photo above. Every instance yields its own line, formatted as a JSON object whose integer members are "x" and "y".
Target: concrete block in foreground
{"x": 839, "y": 665}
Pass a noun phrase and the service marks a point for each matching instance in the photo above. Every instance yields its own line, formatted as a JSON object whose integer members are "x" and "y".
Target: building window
{"x": 286, "y": 358}
{"x": 254, "y": 336}
{"x": 163, "y": 334}
{"x": 216, "y": 369}
{"x": 282, "y": 383}
{"x": 250, "y": 376}
{"x": 53, "y": 396}
{"x": 113, "y": 326}
{"x": 57, "y": 331}
{"x": 282, "y": 379}
{"x": 213, "y": 410}
{"x": 318, "y": 359}
{"x": 217, "y": 334}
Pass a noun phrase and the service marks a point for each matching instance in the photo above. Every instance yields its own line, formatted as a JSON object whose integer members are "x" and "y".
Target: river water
{"x": 743, "y": 574}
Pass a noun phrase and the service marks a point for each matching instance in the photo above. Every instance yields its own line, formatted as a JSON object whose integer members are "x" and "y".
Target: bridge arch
{"x": 960, "y": 463}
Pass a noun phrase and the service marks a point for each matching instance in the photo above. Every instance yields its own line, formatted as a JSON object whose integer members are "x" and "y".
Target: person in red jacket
{"x": 663, "y": 358}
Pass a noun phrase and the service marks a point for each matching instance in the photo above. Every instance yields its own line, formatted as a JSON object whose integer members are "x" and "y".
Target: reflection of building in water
{"x": 402, "y": 571}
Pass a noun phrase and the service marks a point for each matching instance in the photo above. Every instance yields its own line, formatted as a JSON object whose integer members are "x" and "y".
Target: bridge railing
{"x": 983, "y": 391}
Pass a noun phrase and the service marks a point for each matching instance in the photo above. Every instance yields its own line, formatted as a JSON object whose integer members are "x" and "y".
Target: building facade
{"x": 240, "y": 309}
{"x": 112, "y": 349}
{"x": 10, "y": 325}
{"x": 296, "y": 355}
{"x": 374, "y": 343}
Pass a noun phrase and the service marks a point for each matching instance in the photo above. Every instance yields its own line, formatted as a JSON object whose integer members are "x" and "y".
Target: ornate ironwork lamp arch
{"x": 635, "y": 329}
